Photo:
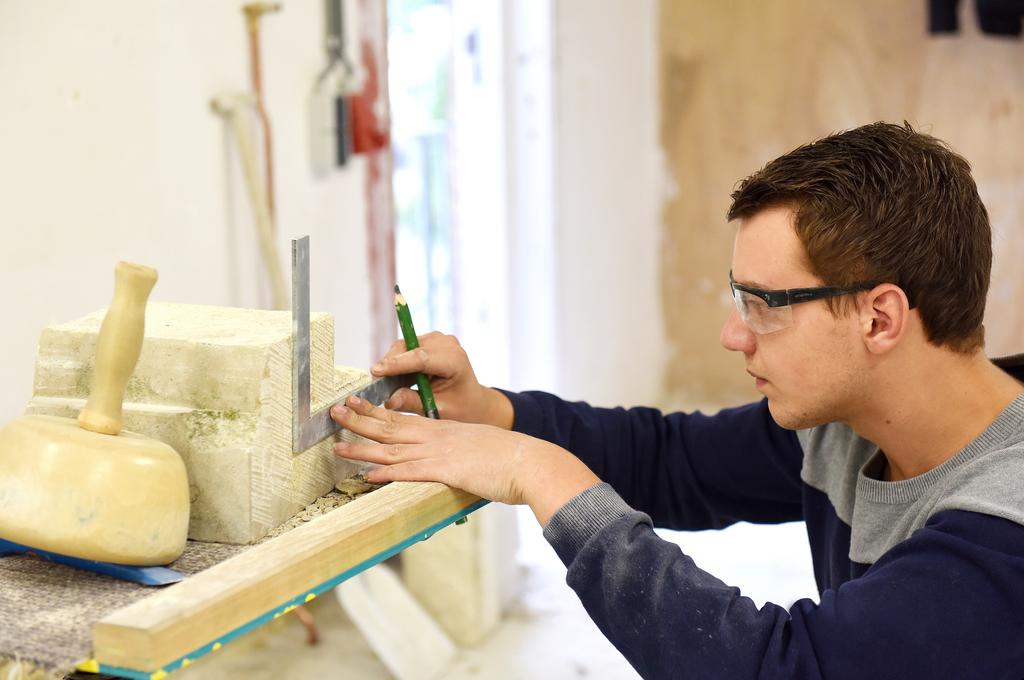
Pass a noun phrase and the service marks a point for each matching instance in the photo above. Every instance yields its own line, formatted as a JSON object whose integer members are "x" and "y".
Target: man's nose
{"x": 736, "y": 335}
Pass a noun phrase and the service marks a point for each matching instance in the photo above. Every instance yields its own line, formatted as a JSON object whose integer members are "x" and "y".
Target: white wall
{"x": 529, "y": 102}
{"x": 608, "y": 195}
{"x": 110, "y": 151}
{"x": 480, "y": 201}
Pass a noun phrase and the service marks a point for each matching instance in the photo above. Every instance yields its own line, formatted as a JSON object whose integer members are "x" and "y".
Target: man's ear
{"x": 884, "y": 317}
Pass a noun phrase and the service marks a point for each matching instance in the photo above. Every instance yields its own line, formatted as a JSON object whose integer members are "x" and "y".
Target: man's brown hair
{"x": 885, "y": 204}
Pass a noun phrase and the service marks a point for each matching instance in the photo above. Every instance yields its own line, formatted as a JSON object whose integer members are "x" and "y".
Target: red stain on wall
{"x": 370, "y": 122}
{"x": 368, "y": 133}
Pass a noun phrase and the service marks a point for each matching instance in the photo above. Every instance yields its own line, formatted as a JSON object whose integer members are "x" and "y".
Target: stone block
{"x": 215, "y": 384}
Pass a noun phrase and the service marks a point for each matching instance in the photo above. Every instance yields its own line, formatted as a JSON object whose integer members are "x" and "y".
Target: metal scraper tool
{"x": 308, "y": 429}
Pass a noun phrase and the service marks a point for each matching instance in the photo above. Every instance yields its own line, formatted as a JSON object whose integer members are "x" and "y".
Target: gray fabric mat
{"x": 47, "y": 610}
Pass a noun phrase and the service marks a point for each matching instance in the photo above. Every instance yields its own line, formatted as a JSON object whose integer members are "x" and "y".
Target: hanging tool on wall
{"x": 235, "y": 107}
{"x": 330, "y": 109}
{"x": 253, "y": 11}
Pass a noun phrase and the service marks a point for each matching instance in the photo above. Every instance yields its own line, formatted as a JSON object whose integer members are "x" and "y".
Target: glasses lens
{"x": 761, "y": 318}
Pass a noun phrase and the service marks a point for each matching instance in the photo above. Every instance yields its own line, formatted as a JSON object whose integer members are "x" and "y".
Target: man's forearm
{"x": 551, "y": 479}
{"x": 500, "y": 411}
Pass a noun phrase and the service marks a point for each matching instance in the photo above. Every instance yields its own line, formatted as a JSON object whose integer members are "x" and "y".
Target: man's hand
{"x": 503, "y": 466}
{"x": 458, "y": 394}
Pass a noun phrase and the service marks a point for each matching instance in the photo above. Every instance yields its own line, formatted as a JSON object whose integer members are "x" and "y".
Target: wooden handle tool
{"x": 88, "y": 489}
{"x": 118, "y": 347}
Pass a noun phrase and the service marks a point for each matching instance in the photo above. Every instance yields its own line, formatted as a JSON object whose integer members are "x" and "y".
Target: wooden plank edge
{"x": 172, "y": 628}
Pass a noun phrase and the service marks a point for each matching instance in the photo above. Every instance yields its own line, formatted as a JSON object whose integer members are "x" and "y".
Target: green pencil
{"x": 412, "y": 342}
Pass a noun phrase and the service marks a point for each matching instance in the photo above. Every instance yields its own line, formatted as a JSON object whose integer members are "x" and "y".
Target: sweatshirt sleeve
{"x": 946, "y": 603}
{"x": 686, "y": 471}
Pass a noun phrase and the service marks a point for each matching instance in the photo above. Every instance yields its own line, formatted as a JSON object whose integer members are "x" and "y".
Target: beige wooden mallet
{"x": 88, "y": 489}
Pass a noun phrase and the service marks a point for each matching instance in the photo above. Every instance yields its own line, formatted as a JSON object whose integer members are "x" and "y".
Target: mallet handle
{"x": 118, "y": 347}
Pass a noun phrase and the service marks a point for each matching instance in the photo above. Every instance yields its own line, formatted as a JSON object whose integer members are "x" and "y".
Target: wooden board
{"x": 170, "y": 628}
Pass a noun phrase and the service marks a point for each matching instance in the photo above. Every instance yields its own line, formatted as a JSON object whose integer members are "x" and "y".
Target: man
{"x": 859, "y": 272}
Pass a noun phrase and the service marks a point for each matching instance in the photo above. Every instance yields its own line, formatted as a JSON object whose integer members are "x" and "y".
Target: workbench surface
{"x": 48, "y": 609}
{"x": 56, "y": 617}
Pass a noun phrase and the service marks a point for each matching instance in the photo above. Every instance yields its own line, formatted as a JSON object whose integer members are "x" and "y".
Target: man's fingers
{"x": 383, "y": 366}
{"x": 408, "y": 402}
{"x": 440, "y": 364}
{"x": 409, "y": 471}
{"x": 382, "y": 454}
{"x": 405, "y": 400}
{"x": 396, "y": 348}
{"x": 412, "y": 361}
{"x": 365, "y": 408}
{"x": 373, "y": 422}
{"x": 434, "y": 357}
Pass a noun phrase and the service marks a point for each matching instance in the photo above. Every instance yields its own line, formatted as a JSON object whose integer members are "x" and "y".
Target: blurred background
{"x": 546, "y": 179}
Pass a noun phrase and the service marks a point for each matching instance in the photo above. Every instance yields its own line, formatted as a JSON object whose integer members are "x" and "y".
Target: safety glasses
{"x": 768, "y": 311}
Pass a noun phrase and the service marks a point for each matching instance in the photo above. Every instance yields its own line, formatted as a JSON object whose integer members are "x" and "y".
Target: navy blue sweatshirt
{"x": 919, "y": 578}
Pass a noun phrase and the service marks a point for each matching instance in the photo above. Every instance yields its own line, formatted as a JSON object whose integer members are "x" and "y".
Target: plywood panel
{"x": 743, "y": 82}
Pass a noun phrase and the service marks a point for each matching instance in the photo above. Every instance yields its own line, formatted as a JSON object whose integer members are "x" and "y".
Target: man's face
{"x": 812, "y": 370}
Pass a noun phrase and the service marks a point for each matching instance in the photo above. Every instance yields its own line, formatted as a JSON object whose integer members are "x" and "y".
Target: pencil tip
{"x": 397, "y": 291}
